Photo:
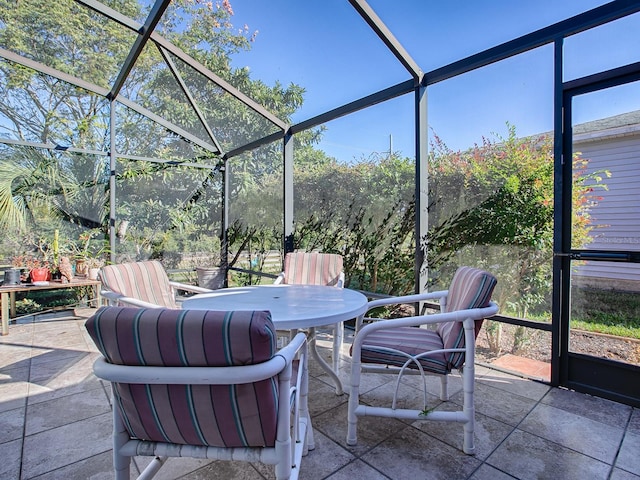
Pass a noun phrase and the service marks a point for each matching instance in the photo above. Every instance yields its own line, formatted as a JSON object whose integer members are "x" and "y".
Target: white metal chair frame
{"x": 292, "y": 437}
{"x": 468, "y": 317}
{"x": 116, "y": 298}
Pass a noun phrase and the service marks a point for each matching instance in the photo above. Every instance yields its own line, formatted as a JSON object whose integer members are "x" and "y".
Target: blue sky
{"x": 325, "y": 47}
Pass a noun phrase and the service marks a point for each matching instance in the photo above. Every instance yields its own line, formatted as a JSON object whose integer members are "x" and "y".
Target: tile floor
{"x": 55, "y": 423}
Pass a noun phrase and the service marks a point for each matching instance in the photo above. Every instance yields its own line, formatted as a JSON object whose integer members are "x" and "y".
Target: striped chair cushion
{"x": 470, "y": 288}
{"x": 312, "y": 268}
{"x": 243, "y": 415}
{"x": 145, "y": 281}
{"x": 409, "y": 340}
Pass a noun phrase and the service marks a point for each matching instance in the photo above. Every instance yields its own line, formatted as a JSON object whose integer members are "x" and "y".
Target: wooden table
{"x": 8, "y": 295}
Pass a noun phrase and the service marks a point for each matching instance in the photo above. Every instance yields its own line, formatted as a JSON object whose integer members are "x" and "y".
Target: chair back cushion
{"x": 304, "y": 268}
{"x": 470, "y": 288}
{"x": 145, "y": 281}
{"x": 239, "y": 415}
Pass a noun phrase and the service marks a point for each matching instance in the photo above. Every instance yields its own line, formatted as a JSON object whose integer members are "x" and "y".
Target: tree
{"x": 74, "y": 39}
{"x": 363, "y": 211}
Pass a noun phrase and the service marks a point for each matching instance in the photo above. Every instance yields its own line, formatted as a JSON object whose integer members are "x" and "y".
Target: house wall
{"x": 617, "y": 215}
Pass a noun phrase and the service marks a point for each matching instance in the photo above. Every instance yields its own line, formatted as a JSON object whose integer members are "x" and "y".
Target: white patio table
{"x": 292, "y": 307}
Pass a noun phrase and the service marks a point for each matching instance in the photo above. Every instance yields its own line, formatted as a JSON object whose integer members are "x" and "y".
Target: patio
{"x": 55, "y": 423}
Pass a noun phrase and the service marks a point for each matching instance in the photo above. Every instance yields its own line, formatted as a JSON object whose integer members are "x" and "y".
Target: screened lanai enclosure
{"x": 409, "y": 137}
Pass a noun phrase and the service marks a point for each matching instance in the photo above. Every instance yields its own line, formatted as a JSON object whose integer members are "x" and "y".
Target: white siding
{"x": 617, "y": 214}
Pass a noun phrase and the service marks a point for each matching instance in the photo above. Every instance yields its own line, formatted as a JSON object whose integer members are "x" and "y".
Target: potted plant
{"x": 55, "y": 256}
{"x": 209, "y": 274}
{"x": 19, "y": 262}
{"x": 93, "y": 265}
{"x": 211, "y": 277}
{"x": 22, "y": 264}
{"x": 32, "y": 268}
{"x": 87, "y": 253}
{"x": 80, "y": 251}
{"x": 41, "y": 269}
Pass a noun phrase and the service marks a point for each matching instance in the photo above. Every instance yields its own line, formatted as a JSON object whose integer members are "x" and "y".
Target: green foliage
{"x": 426, "y": 411}
{"x": 378, "y": 255}
{"x": 161, "y": 207}
{"x": 36, "y": 184}
{"x": 615, "y": 325}
{"x": 35, "y": 301}
{"x": 499, "y": 193}
{"x": 26, "y": 306}
{"x": 363, "y": 211}
{"x": 255, "y": 240}
{"x": 492, "y": 206}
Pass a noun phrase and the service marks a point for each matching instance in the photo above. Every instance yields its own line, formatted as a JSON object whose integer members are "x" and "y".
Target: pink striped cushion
{"x": 470, "y": 288}
{"x": 180, "y": 338}
{"x": 405, "y": 339}
{"x": 312, "y": 268}
{"x": 212, "y": 415}
{"x": 145, "y": 281}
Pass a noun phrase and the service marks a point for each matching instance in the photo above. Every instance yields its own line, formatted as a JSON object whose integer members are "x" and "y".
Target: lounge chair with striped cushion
{"x": 312, "y": 268}
{"x": 397, "y": 346}
{"x": 142, "y": 284}
{"x": 202, "y": 384}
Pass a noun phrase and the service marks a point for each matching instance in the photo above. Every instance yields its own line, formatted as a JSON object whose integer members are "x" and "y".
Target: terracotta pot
{"x": 81, "y": 267}
{"x": 40, "y": 274}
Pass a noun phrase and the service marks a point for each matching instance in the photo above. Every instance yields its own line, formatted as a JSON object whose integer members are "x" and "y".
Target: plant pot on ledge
{"x": 81, "y": 267}
{"x": 93, "y": 267}
{"x": 212, "y": 278}
{"x": 39, "y": 274}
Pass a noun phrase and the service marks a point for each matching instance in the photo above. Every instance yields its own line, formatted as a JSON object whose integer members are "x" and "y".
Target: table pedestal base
{"x": 324, "y": 365}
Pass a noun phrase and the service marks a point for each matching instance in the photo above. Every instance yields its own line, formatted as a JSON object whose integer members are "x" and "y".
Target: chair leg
{"x": 468, "y": 385}
{"x": 444, "y": 387}
{"x": 121, "y": 463}
{"x": 354, "y": 400}
{"x": 153, "y": 468}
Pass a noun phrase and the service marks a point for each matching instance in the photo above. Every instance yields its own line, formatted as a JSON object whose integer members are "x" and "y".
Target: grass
{"x": 601, "y": 311}
{"x": 606, "y": 311}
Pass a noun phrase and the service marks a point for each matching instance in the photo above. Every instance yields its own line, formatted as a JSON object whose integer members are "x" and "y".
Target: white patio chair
{"x": 142, "y": 284}
{"x": 396, "y": 346}
{"x": 202, "y": 384}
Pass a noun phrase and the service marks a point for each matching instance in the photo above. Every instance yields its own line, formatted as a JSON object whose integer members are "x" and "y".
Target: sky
{"x": 325, "y": 47}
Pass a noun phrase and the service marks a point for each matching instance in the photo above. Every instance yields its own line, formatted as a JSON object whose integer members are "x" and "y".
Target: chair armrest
{"x": 291, "y": 349}
{"x": 201, "y": 375}
{"x": 190, "y": 288}
{"x": 115, "y": 298}
{"x": 404, "y": 299}
{"x": 456, "y": 316}
{"x": 419, "y": 297}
